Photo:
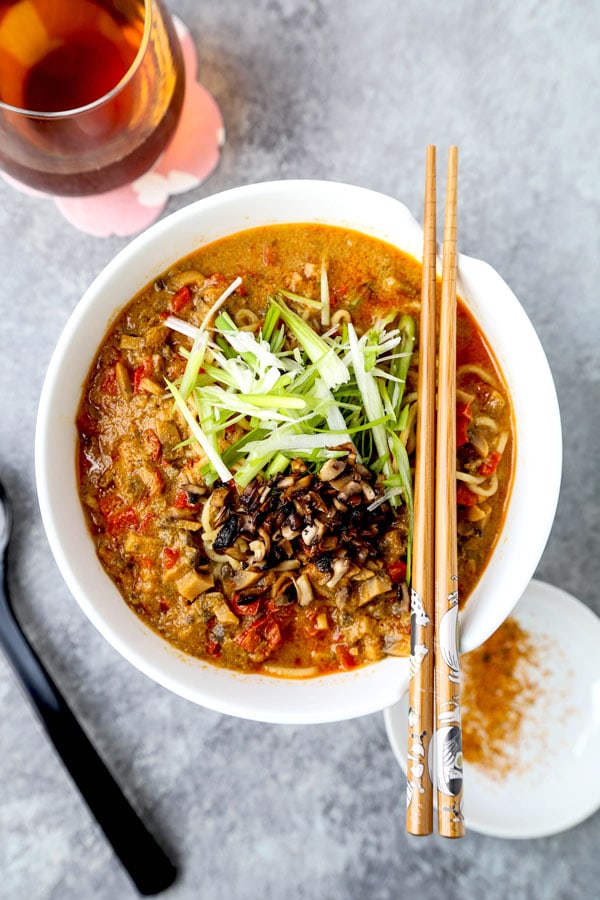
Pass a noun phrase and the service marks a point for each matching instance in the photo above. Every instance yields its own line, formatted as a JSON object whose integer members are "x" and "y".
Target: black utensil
{"x": 145, "y": 861}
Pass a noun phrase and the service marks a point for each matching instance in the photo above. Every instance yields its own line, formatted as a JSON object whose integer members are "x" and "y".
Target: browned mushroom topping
{"x": 301, "y": 485}
{"x": 313, "y": 532}
{"x": 287, "y": 482}
{"x": 340, "y": 484}
{"x": 491, "y": 401}
{"x": 303, "y": 589}
{"x": 372, "y": 587}
{"x": 220, "y": 516}
{"x": 259, "y": 549}
{"x": 193, "y": 491}
{"x": 280, "y": 586}
{"x": 352, "y": 489}
{"x": 340, "y": 568}
{"x": 332, "y": 469}
{"x": 219, "y": 497}
{"x": 298, "y": 466}
{"x": 367, "y": 491}
{"x": 227, "y": 533}
{"x": 319, "y": 524}
{"x": 247, "y": 579}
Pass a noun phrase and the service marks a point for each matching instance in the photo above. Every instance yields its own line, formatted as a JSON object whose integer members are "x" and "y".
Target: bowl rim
{"x": 143, "y": 652}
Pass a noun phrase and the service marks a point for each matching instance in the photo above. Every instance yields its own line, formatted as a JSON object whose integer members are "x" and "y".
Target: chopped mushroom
{"x": 352, "y": 489}
{"x": 259, "y": 549}
{"x": 247, "y": 578}
{"x": 368, "y": 590}
{"x": 477, "y": 513}
{"x": 304, "y": 589}
{"x": 369, "y": 493}
{"x": 340, "y": 567}
{"x": 332, "y": 469}
{"x": 320, "y": 526}
{"x": 193, "y": 491}
{"x": 224, "y": 615}
{"x": 194, "y": 583}
{"x": 313, "y": 533}
{"x": 340, "y": 484}
{"x": 227, "y": 533}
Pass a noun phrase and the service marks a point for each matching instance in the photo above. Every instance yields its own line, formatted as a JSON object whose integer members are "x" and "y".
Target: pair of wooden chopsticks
{"x": 434, "y": 656}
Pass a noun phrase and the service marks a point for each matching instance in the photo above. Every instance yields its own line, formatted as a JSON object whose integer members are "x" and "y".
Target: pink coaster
{"x": 190, "y": 157}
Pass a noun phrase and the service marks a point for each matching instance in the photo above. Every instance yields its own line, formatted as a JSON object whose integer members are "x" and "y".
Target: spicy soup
{"x": 246, "y": 437}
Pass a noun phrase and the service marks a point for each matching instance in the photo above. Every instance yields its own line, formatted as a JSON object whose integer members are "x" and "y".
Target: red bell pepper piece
{"x": 464, "y": 415}
{"x": 182, "y": 501}
{"x": 170, "y": 557}
{"x": 397, "y": 571}
{"x": 143, "y": 371}
{"x": 213, "y": 647}
{"x": 272, "y": 634}
{"x": 263, "y": 629}
{"x": 465, "y": 497}
{"x": 108, "y": 504}
{"x": 147, "y": 522}
{"x": 244, "y": 609}
{"x": 338, "y": 295}
{"x": 249, "y": 638}
{"x": 180, "y": 299}
{"x": 121, "y": 520}
{"x": 490, "y": 463}
{"x": 118, "y": 517}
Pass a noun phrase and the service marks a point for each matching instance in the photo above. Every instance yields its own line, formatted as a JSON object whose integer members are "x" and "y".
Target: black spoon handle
{"x": 147, "y": 864}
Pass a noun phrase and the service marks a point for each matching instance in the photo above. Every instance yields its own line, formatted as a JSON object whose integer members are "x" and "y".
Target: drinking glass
{"x": 90, "y": 91}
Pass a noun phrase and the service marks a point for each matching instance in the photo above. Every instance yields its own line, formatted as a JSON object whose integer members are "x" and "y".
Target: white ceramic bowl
{"x": 536, "y": 479}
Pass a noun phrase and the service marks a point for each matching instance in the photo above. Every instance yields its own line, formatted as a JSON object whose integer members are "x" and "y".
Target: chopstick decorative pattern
{"x": 448, "y": 735}
{"x": 419, "y": 796}
{"x": 434, "y": 663}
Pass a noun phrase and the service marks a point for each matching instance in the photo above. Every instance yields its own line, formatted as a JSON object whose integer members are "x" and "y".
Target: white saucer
{"x": 558, "y": 781}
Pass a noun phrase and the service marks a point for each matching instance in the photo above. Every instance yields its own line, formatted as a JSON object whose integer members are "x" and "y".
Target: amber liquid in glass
{"x": 111, "y": 113}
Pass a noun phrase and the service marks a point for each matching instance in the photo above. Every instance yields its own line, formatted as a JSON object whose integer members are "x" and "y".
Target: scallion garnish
{"x": 322, "y": 353}
{"x": 194, "y": 426}
{"x": 290, "y": 391}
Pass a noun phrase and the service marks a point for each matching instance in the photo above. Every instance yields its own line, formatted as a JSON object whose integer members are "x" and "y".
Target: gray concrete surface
{"x": 350, "y": 91}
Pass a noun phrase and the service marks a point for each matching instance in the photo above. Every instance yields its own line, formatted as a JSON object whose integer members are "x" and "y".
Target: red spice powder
{"x": 499, "y": 687}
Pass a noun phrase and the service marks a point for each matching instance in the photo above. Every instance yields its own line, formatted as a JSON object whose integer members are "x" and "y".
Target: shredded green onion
{"x": 325, "y": 306}
{"x": 331, "y": 368}
{"x": 306, "y": 301}
{"x": 194, "y": 426}
{"x": 298, "y": 393}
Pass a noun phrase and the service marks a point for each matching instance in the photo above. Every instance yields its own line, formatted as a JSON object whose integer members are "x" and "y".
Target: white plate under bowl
{"x": 557, "y": 784}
